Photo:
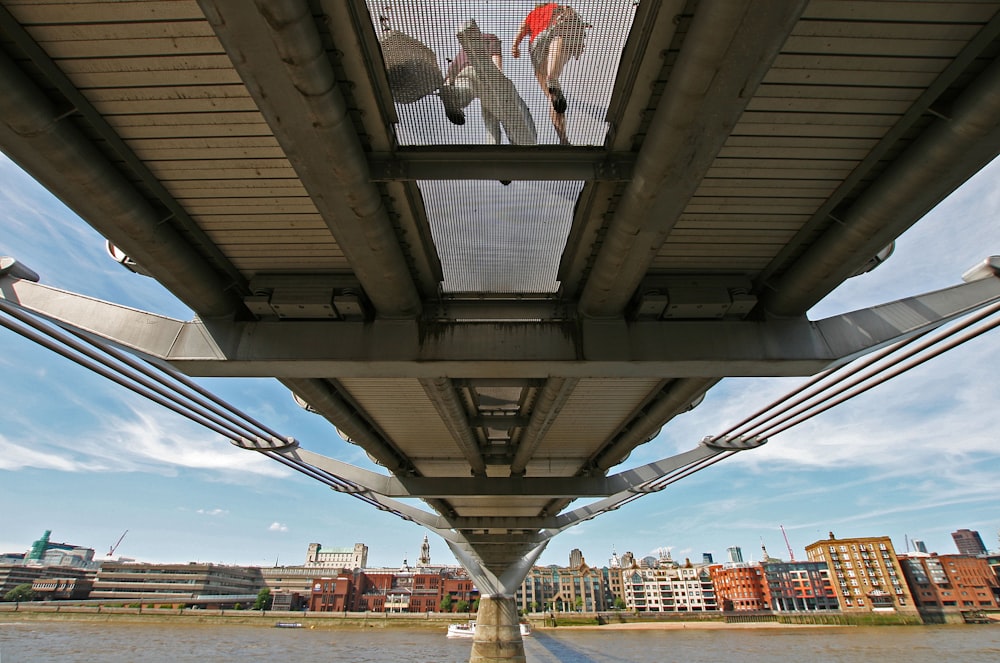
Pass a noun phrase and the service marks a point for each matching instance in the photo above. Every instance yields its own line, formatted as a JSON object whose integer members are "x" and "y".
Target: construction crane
{"x": 113, "y": 548}
{"x": 791, "y": 555}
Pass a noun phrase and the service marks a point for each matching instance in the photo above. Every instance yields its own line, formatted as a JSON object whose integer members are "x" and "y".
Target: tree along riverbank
{"x": 436, "y": 620}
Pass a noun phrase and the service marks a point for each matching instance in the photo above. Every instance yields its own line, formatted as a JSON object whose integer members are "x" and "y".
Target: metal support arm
{"x": 386, "y": 348}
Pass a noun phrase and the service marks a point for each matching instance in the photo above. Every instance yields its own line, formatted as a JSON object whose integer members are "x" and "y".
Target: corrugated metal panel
{"x": 844, "y": 78}
{"x": 161, "y": 79}
{"x": 595, "y": 410}
{"x": 403, "y": 411}
{"x": 471, "y": 507}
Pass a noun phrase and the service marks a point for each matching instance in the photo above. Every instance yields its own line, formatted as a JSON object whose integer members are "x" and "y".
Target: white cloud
{"x": 15, "y": 456}
{"x": 212, "y": 512}
{"x": 149, "y": 440}
{"x": 277, "y": 527}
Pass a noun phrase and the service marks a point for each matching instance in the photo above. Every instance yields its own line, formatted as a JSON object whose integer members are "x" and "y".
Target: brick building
{"x": 866, "y": 574}
{"x": 950, "y": 584}
{"x": 362, "y": 590}
{"x": 739, "y": 586}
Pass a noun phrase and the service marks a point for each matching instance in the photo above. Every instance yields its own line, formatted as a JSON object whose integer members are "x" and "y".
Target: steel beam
{"x": 276, "y": 47}
{"x": 946, "y": 154}
{"x": 448, "y": 487}
{"x": 726, "y": 53}
{"x": 442, "y": 394}
{"x": 524, "y": 350}
{"x": 538, "y": 163}
{"x": 45, "y": 142}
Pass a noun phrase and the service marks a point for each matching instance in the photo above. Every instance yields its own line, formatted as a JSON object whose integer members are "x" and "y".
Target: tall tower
{"x": 969, "y": 542}
{"x": 39, "y": 547}
{"x": 425, "y": 553}
{"x": 735, "y": 554}
{"x": 575, "y": 558}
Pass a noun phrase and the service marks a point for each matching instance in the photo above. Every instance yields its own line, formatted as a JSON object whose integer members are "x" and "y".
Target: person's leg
{"x": 558, "y": 56}
{"x": 542, "y": 59}
{"x": 492, "y": 125}
{"x": 559, "y": 122}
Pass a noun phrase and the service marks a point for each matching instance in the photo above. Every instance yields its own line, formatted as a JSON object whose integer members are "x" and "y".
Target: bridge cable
{"x": 217, "y": 415}
{"x": 794, "y": 409}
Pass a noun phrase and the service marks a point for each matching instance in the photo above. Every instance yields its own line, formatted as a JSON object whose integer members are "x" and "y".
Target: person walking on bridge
{"x": 555, "y": 34}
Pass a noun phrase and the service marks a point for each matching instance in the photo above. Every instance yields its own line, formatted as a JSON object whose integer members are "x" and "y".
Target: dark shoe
{"x": 558, "y": 100}
{"x": 456, "y": 116}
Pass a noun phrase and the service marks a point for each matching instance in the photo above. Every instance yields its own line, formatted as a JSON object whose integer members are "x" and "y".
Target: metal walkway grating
{"x": 500, "y": 239}
{"x": 587, "y": 81}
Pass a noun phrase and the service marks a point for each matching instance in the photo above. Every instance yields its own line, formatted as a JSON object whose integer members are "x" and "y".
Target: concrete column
{"x": 498, "y": 636}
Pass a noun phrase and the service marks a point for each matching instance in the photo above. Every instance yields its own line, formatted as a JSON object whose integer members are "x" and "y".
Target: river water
{"x": 24, "y": 642}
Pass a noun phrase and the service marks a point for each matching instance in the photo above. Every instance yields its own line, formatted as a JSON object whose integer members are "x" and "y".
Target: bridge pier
{"x": 498, "y": 635}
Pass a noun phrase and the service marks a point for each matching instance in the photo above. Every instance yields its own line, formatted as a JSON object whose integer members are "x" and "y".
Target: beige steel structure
{"x": 865, "y": 574}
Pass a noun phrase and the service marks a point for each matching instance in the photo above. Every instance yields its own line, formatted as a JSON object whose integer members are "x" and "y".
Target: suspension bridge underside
{"x": 497, "y": 325}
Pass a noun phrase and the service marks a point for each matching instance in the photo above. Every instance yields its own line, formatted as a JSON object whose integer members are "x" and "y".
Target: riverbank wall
{"x": 439, "y": 620}
{"x": 27, "y": 612}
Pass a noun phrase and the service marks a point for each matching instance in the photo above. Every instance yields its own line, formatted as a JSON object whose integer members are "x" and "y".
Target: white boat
{"x": 462, "y": 630}
{"x": 468, "y": 630}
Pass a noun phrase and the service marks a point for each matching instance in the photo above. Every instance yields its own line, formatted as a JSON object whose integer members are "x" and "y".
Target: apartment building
{"x": 739, "y": 586}
{"x": 943, "y": 584}
{"x": 865, "y": 573}
{"x": 563, "y": 589}
{"x": 798, "y": 587}
{"x": 669, "y": 587}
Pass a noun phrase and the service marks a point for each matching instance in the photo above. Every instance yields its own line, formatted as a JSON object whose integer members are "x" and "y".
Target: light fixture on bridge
{"x": 984, "y": 270}
{"x": 694, "y": 298}
{"x": 124, "y": 260}
{"x": 11, "y": 267}
{"x": 306, "y": 297}
{"x": 876, "y": 260}
{"x": 301, "y": 402}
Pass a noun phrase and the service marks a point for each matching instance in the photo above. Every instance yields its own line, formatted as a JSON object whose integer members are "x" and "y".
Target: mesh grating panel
{"x": 586, "y": 81}
{"x": 500, "y": 239}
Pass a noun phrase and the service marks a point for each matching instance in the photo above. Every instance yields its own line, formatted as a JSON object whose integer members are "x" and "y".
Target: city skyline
{"x": 79, "y": 455}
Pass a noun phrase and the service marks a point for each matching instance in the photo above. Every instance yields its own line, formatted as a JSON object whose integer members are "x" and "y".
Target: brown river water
{"x": 35, "y": 642}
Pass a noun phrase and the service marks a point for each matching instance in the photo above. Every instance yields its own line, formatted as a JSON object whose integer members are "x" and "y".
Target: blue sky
{"x": 917, "y": 457}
